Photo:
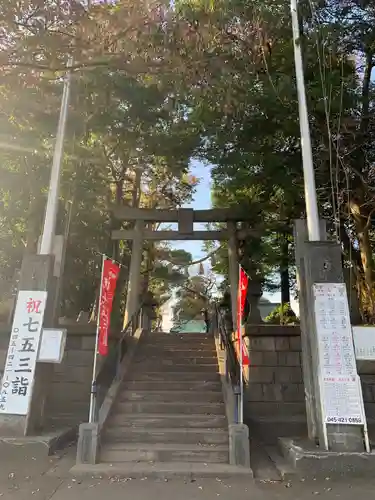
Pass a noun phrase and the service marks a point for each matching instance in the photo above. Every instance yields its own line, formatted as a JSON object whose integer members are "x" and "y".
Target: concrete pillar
{"x": 323, "y": 264}
{"x": 36, "y": 274}
{"x": 233, "y": 270}
{"x": 56, "y": 280}
{"x": 134, "y": 284}
{"x": 300, "y": 239}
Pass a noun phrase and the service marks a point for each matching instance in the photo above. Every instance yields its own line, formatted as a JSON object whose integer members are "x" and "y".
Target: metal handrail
{"x": 110, "y": 371}
{"x": 227, "y": 344}
{"x": 232, "y": 365}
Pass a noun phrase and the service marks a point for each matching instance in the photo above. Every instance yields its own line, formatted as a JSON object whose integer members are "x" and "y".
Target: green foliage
{"x": 121, "y": 122}
{"x": 246, "y": 107}
{"x": 192, "y": 298}
{"x": 154, "y": 86}
{"x": 169, "y": 271}
{"x": 282, "y": 315}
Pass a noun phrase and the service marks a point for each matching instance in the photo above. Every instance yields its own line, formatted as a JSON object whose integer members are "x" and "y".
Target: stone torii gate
{"x": 185, "y": 217}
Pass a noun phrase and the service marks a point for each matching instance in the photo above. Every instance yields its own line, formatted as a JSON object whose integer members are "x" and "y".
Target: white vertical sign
{"x": 18, "y": 377}
{"x": 340, "y": 386}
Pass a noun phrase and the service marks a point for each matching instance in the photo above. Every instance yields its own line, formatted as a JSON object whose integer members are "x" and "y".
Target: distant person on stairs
{"x": 206, "y": 320}
{"x": 226, "y": 307}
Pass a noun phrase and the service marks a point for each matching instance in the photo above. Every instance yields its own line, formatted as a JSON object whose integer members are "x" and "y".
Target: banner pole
{"x": 239, "y": 326}
{"x": 93, "y": 383}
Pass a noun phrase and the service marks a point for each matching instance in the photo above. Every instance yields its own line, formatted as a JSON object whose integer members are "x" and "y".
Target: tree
{"x": 192, "y": 298}
{"x": 155, "y": 85}
{"x": 246, "y": 107}
{"x": 122, "y": 145}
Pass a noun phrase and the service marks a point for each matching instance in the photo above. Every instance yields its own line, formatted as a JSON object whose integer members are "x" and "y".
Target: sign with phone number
{"x": 342, "y": 401}
{"x": 344, "y": 420}
{"x": 340, "y": 386}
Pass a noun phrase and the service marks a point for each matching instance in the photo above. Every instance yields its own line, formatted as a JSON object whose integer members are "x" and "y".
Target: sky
{"x": 201, "y": 201}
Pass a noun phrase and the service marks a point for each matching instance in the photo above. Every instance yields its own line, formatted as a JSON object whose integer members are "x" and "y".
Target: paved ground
{"x": 28, "y": 476}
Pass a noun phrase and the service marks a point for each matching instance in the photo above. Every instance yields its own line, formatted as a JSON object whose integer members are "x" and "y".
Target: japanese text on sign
{"x": 342, "y": 401}
{"x": 22, "y": 354}
{"x": 364, "y": 342}
{"x": 339, "y": 381}
{"x": 108, "y": 286}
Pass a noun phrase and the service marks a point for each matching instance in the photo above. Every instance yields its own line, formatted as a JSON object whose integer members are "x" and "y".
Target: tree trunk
{"x": 136, "y": 198}
{"x": 284, "y": 270}
{"x": 365, "y": 248}
{"x": 360, "y": 211}
{"x": 114, "y": 245}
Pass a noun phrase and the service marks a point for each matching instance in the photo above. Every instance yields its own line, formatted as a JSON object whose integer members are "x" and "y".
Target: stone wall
{"x": 68, "y": 398}
{"x": 367, "y": 373}
{"x": 275, "y": 384}
{"x": 275, "y": 387}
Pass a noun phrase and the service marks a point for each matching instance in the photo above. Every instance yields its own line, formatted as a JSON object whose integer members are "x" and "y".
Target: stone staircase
{"x": 170, "y": 408}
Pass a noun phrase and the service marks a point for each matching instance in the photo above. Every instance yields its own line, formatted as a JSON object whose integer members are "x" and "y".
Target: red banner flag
{"x": 110, "y": 274}
{"x": 241, "y": 299}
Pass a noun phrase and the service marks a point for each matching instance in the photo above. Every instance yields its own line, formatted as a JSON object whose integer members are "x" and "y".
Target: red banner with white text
{"x": 110, "y": 274}
{"x": 241, "y": 299}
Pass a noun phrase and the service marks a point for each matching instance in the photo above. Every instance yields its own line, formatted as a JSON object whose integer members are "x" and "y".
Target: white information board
{"x": 52, "y": 345}
{"x": 340, "y": 387}
{"x": 334, "y": 331}
{"x": 364, "y": 342}
{"x": 18, "y": 377}
{"x": 342, "y": 401}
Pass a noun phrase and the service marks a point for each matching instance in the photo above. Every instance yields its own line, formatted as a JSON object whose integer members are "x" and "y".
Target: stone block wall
{"x": 68, "y": 398}
{"x": 275, "y": 384}
{"x": 367, "y": 374}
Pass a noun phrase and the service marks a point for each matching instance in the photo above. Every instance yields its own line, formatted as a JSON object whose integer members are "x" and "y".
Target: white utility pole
{"x": 46, "y": 244}
{"x": 307, "y": 159}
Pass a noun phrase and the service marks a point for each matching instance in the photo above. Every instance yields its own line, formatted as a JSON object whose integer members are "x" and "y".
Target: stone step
{"x": 174, "y": 339}
{"x": 173, "y": 385}
{"x": 172, "y": 396}
{"x": 149, "y": 420}
{"x": 175, "y": 367}
{"x": 187, "y": 347}
{"x": 192, "y": 342}
{"x": 170, "y": 408}
{"x": 118, "y": 452}
{"x": 180, "y": 376}
{"x": 172, "y": 354}
{"x": 179, "y": 350}
{"x": 162, "y": 360}
{"x": 202, "y": 436}
{"x": 189, "y": 471}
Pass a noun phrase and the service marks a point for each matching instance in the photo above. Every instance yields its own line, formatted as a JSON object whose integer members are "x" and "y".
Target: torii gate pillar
{"x": 134, "y": 284}
{"x": 233, "y": 269}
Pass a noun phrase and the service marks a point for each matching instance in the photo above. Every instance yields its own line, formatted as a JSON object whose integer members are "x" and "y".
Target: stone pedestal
{"x": 323, "y": 265}
{"x": 319, "y": 262}
{"x": 300, "y": 240}
{"x": 254, "y": 293}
